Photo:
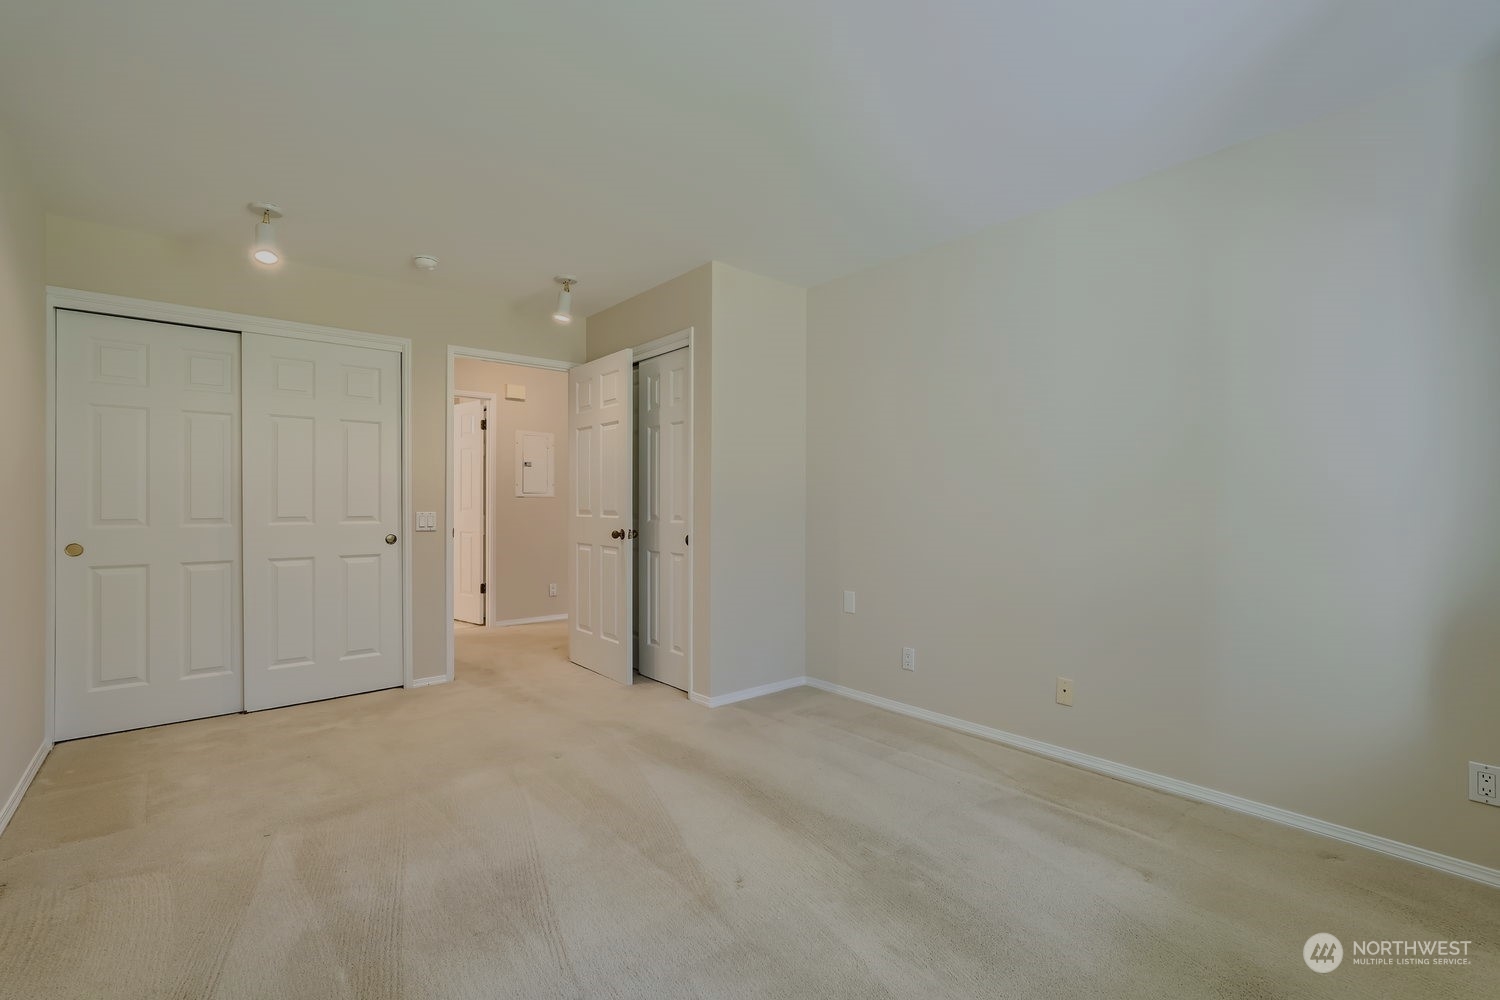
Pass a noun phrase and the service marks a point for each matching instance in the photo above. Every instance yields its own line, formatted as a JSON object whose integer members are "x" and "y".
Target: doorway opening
{"x": 617, "y": 471}
{"x": 507, "y": 483}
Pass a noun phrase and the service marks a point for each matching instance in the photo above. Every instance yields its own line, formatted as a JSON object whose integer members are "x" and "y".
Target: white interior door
{"x": 148, "y": 490}
{"x": 600, "y": 418}
{"x": 664, "y": 477}
{"x": 469, "y": 477}
{"x": 322, "y": 516}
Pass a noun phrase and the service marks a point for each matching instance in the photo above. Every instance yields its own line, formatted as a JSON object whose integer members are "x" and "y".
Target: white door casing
{"x": 148, "y": 483}
{"x": 322, "y": 515}
{"x": 469, "y": 531}
{"x": 601, "y": 517}
{"x": 664, "y": 509}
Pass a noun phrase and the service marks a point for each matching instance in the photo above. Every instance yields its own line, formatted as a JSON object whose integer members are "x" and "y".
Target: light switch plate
{"x": 848, "y": 602}
{"x": 426, "y": 520}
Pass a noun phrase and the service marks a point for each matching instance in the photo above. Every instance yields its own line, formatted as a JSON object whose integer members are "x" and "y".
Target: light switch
{"x": 426, "y": 520}
{"x": 848, "y": 602}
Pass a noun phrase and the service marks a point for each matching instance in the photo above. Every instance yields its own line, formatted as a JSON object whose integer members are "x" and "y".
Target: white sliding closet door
{"x": 664, "y": 478}
{"x": 148, "y": 491}
{"x": 322, "y": 515}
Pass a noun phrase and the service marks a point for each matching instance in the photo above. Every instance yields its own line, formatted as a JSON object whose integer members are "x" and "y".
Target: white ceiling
{"x": 629, "y": 141}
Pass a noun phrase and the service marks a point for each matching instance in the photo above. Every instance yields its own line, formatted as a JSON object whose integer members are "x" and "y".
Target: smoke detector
{"x": 425, "y": 262}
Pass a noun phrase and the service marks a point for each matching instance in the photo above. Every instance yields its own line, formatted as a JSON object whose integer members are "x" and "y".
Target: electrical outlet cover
{"x": 1484, "y": 783}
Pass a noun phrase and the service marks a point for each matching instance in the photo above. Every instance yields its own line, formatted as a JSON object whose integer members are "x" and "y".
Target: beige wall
{"x": 759, "y": 483}
{"x": 1222, "y": 445}
{"x": 528, "y": 538}
{"x": 22, "y": 471}
{"x": 685, "y": 301}
{"x": 99, "y": 259}
{"x": 749, "y": 453}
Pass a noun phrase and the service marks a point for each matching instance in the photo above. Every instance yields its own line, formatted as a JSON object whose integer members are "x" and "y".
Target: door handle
{"x": 390, "y": 539}
{"x": 617, "y": 533}
{"x": 73, "y": 549}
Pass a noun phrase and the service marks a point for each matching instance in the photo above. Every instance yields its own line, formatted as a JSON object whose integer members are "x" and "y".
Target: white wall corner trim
{"x": 527, "y": 621}
{"x": 13, "y": 802}
{"x": 719, "y": 701}
{"x": 1162, "y": 783}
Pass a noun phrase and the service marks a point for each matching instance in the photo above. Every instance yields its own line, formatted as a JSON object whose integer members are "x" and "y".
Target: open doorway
{"x": 630, "y": 469}
{"x": 508, "y": 474}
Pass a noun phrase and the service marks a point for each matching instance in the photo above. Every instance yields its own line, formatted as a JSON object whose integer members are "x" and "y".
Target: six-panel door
{"x": 470, "y": 479}
{"x": 322, "y": 520}
{"x": 600, "y": 419}
{"x": 148, "y": 495}
{"x": 664, "y": 509}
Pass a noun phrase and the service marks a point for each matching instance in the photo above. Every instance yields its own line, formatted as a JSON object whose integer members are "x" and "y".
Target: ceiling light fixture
{"x": 564, "y": 311}
{"x": 425, "y": 262}
{"x": 265, "y": 250}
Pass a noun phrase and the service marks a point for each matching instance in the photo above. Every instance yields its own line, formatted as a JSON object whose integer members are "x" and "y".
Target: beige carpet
{"x": 536, "y": 831}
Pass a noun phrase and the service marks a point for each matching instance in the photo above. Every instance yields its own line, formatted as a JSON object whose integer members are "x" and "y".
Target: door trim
{"x": 214, "y": 319}
{"x": 489, "y": 398}
{"x": 664, "y": 345}
{"x": 478, "y": 354}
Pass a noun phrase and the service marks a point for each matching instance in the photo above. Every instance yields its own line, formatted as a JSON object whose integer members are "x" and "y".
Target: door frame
{"x": 237, "y": 323}
{"x": 489, "y": 399}
{"x": 477, "y": 354}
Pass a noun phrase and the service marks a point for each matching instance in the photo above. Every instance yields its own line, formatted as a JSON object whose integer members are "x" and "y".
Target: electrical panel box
{"x": 534, "y": 465}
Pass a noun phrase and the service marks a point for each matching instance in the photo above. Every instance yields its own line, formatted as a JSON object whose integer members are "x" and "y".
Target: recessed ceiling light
{"x": 564, "y": 311}
{"x": 265, "y": 250}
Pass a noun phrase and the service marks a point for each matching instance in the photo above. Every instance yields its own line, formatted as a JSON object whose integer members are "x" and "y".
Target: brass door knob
{"x": 73, "y": 549}
{"x": 390, "y": 539}
{"x": 617, "y": 533}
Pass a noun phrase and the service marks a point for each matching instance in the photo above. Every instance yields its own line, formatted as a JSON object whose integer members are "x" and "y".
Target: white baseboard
{"x": 422, "y": 682}
{"x": 1174, "y": 786}
{"x": 729, "y": 699}
{"x": 19, "y": 792}
{"x": 527, "y": 621}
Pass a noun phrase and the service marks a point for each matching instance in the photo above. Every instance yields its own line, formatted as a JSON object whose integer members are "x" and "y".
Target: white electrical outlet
{"x": 1064, "y": 691}
{"x": 551, "y": 590}
{"x": 1484, "y": 783}
{"x": 908, "y": 658}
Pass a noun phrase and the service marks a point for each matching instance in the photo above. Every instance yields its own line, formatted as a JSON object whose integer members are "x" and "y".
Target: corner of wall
{"x": 23, "y": 608}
